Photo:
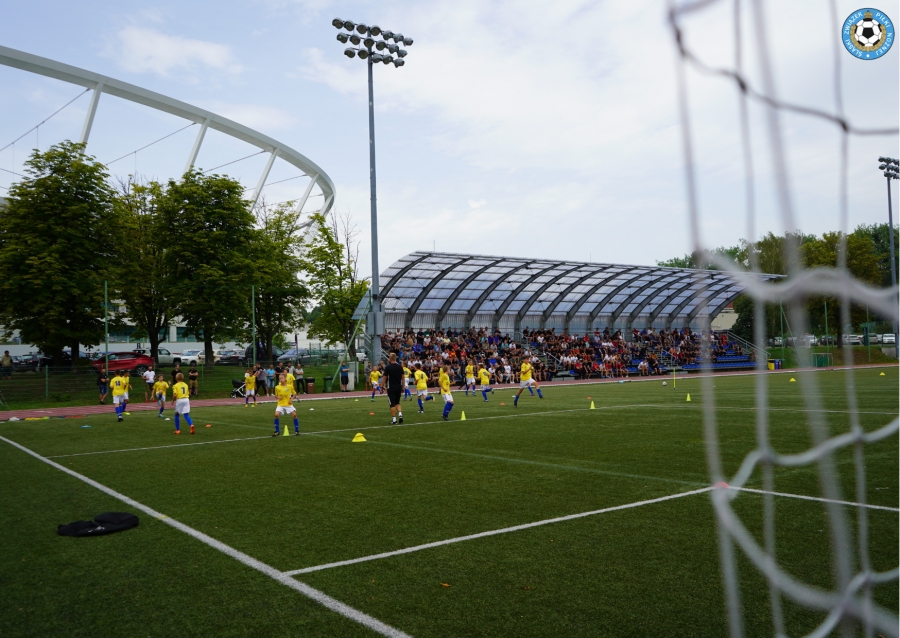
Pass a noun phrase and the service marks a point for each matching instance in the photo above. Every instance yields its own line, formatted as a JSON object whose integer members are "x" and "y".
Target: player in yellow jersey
{"x": 407, "y": 373}
{"x": 470, "y": 378}
{"x": 291, "y": 382}
{"x": 119, "y": 387}
{"x": 375, "y": 379}
{"x": 126, "y": 374}
{"x": 285, "y": 395}
{"x": 160, "y": 387}
{"x": 526, "y": 381}
{"x": 484, "y": 377}
{"x": 181, "y": 399}
{"x": 249, "y": 387}
{"x": 421, "y": 387}
{"x": 444, "y": 383}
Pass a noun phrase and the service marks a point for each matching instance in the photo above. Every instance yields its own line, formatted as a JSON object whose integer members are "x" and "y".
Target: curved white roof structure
{"x": 101, "y": 84}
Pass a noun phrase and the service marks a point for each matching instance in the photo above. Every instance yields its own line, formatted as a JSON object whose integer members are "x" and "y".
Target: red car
{"x": 137, "y": 363}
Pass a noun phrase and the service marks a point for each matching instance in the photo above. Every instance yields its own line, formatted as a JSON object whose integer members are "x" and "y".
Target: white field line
{"x": 494, "y": 532}
{"x": 283, "y": 578}
{"x": 815, "y": 498}
{"x": 155, "y": 447}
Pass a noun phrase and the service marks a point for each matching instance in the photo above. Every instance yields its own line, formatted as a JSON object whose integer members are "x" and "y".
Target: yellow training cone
{"x": 793, "y": 380}
{"x": 689, "y": 398}
{"x": 592, "y": 406}
{"x": 359, "y": 438}
{"x": 881, "y": 375}
{"x": 287, "y": 432}
{"x": 463, "y": 417}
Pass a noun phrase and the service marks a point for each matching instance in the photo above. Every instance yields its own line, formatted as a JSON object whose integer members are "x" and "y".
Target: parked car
{"x": 296, "y": 355}
{"x": 851, "y": 340}
{"x": 260, "y": 355}
{"x": 26, "y": 363}
{"x": 137, "y": 363}
{"x": 164, "y": 357}
{"x": 217, "y": 354}
{"x": 827, "y": 340}
{"x": 775, "y": 341}
{"x": 888, "y": 339}
{"x": 231, "y": 358}
{"x": 189, "y": 357}
{"x": 66, "y": 359}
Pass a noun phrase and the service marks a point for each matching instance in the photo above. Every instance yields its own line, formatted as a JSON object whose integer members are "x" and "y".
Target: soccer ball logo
{"x": 868, "y": 34}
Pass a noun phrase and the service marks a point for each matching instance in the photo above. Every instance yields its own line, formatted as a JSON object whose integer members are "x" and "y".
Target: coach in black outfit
{"x": 393, "y": 372}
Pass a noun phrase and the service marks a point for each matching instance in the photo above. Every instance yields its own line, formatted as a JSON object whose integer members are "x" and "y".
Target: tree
{"x": 145, "y": 286}
{"x": 279, "y": 295}
{"x": 209, "y": 228}
{"x": 692, "y": 260}
{"x": 880, "y": 236}
{"x": 331, "y": 265}
{"x": 58, "y": 242}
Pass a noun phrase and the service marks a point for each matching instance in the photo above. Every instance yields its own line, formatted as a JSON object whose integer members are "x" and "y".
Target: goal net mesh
{"x": 743, "y": 64}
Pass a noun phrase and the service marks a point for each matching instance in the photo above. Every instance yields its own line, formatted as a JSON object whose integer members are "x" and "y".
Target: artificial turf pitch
{"x": 298, "y": 502}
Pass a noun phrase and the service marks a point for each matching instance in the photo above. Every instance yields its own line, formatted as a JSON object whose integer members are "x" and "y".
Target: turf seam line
{"x": 815, "y": 498}
{"x": 494, "y": 532}
{"x": 283, "y": 578}
{"x": 155, "y": 447}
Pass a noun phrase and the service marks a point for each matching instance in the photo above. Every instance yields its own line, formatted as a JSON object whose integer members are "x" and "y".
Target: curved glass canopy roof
{"x": 447, "y": 290}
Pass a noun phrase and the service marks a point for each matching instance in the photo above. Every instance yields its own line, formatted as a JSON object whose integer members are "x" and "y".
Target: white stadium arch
{"x": 100, "y": 84}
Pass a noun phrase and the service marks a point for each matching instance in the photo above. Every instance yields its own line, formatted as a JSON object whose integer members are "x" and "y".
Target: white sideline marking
{"x": 155, "y": 447}
{"x": 493, "y": 532}
{"x": 282, "y": 577}
{"x": 815, "y": 498}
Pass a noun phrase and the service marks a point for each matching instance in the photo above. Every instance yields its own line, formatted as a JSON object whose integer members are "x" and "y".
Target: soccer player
{"x": 159, "y": 392}
{"x": 118, "y": 384}
{"x": 375, "y": 379}
{"x": 285, "y": 395}
{"x": 407, "y": 373}
{"x": 126, "y": 375}
{"x": 422, "y": 387}
{"x": 444, "y": 383}
{"x": 470, "y": 378}
{"x": 249, "y": 387}
{"x": 182, "y": 402}
{"x": 526, "y": 381}
{"x": 393, "y": 376}
{"x": 485, "y": 377}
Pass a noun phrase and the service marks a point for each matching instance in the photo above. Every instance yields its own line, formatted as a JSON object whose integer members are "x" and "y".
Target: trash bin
{"x": 310, "y": 385}
{"x": 771, "y": 364}
{"x": 779, "y": 364}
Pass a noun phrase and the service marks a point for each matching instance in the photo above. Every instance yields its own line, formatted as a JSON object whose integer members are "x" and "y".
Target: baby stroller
{"x": 239, "y": 389}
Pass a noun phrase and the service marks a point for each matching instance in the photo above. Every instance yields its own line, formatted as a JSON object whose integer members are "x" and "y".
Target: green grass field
{"x": 298, "y": 502}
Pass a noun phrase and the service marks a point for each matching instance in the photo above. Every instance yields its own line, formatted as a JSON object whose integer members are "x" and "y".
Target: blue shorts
{"x": 103, "y": 388}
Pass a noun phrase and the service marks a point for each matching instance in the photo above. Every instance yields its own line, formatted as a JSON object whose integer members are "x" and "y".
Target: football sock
{"x": 393, "y": 420}
{"x": 484, "y": 394}
{"x": 516, "y": 400}
{"x": 400, "y": 413}
{"x": 373, "y": 394}
{"x": 161, "y": 408}
{"x": 429, "y": 398}
{"x": 421, "y": 407}
{"x": 539, "y": 393}
{"x": 276, "y": 425}
{"x": 187, "y": 417}
{"x": 447, "y": 408}
{"x": 177, "y": 422}
{"x": 530, "y": 390}
{"x": 296, "y": 425}
{"x": 246, "y": 400}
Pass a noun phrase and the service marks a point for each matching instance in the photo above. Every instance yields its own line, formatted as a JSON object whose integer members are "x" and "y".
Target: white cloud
{"x": 144, "y": 50}
{"x": 476, "y": 203}
{"x": 263, "y": 118}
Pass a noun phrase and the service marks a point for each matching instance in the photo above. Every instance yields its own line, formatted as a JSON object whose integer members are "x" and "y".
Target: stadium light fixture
{"x": 360, "y": 33}
{"x": 891, "y": 168}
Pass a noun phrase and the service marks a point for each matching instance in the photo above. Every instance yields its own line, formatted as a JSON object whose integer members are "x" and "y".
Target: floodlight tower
{"x": 360, "y": 34}
{"x": 891, "y": 168}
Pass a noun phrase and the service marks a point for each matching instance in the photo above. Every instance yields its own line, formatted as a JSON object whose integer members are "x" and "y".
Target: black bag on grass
{"x": 106, "y": 523}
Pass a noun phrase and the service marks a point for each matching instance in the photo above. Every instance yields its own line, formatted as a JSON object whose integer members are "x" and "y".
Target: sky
{"x": 523, "y": 129}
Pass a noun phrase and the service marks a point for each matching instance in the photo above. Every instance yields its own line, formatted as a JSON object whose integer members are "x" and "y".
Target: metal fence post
{"x": 47, "y": 382}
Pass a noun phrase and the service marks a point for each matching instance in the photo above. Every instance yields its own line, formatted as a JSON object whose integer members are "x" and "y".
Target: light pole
{"x": 364, "y": 40}
{"x": 891, "y": 168}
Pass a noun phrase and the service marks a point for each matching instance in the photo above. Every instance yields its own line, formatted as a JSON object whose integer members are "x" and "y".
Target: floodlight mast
{"x": 891, "y": 168}
{"x": 375, "y": 320}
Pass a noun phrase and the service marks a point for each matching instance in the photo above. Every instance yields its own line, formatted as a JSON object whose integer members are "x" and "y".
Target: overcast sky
{"x": 527, "y": 129}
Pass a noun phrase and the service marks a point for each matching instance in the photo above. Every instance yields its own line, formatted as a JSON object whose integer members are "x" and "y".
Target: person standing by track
{"x": 393, "y": 374}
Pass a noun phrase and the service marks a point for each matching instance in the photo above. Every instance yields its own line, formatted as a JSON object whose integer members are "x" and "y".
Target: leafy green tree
{"x": 880, "y": 236}
{"x": 331, "y": 267}
{"x": 145, "y": 285}
{"x": 692, "y": 260}
{"x": 58, "y": 242}
{"x": 209, "y": 228}
{"x": 280, "y": 296}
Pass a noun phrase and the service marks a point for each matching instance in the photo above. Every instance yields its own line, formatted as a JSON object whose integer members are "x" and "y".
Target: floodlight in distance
{"x": 337, "y": 23}
{"x": 387, "y": 35}
{"x": 388, "y": 59}
{"x": 380, "y": 45}
{"x": 399, "y": 63}
{"x": 377, "y": 57}
{"x": 402, "y": 53}
{"x": 355, "y": 39}
{"x": 369, "y": 42}
{"x": 881, "y": 167}
{"x": 375, "y": 30}
{"x": 361, "y": 28}
{"x": 398, "y": 37}
{"x": 393, "y": 48}
{"x": 408, "y": 41}
{"x": 350, "y": 53}
{"x": 363, "y": 54}
{"x": 348, "y": 25}
{"x": 343, "y": 37}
